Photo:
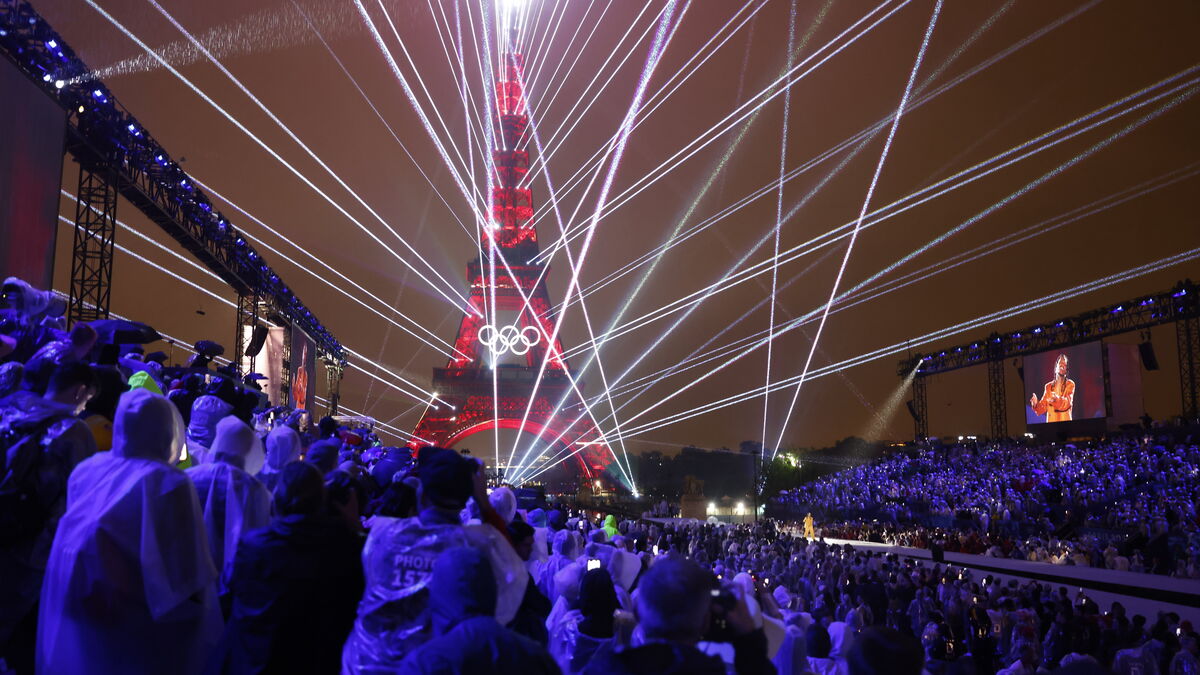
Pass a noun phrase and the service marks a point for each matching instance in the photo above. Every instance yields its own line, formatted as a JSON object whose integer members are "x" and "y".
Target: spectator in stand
{"x": 73, "y": 349}
{"x": 820, "y": 650}
{"x": 589, "y": 626}
{"x": 467, "y": 637}
{"x": 1185, "y": 662}
{"x": 208, "y": 409}
{"x": 11, "y": 374}
{"x": 399, "y": 500}
{"x": 530, "y": 620}
{"x": 567, "y": 547}
{"x": 42, "y": 440}
{"x": 883, "y": 651}
{"x": 1018, "y": 501}
{"x": 344, "y": 493}
{"x": 392, "y": 461}
{"x": 327, "y": 428}
{"x": 399, "y": 555}
{"x": 674, "y": 607}
{"x": 130, "y": 585}
{"x": 293, "y": 585}
{"x": 283, "y": 448}
{"x": 27, "y": 319}
{"x": 190, "y": 389}
{"x": 324, "y": 455}
{"x": 233, "y": 501}
{"x": 610, "y": 526}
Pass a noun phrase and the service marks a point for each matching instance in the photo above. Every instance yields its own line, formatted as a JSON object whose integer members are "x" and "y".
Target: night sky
{"x": 1060, "y": 61}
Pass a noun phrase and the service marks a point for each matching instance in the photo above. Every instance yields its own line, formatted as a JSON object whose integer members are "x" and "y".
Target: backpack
{"x": 23, "y": 509}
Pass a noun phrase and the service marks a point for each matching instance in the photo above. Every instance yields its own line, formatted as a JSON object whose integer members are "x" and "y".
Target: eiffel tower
{"x": 484, "y": 399}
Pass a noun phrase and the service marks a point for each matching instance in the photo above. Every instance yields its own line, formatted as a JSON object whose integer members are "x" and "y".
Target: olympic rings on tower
{"x": 509, "y": 339}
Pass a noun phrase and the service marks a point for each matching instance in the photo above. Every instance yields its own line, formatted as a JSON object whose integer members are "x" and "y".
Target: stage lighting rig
{"x": 105, "y": 138}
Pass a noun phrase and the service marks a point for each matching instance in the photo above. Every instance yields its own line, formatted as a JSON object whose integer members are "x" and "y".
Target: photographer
{"x": 678, "y": 607}
{"x": 398, "y": 561}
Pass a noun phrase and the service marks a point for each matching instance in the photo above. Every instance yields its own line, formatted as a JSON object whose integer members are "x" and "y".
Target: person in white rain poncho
{"x": 283, "y": 447}
{"x": 130, "y": 584}
{"x": 207, "y": 411}
{"x": 394, "y": 615}
{"x": 568, "y": 545}
{"x": 233, "y": 500}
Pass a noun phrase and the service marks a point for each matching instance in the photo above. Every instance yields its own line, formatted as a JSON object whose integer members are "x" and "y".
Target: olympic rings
{"x": 509, "y": 339}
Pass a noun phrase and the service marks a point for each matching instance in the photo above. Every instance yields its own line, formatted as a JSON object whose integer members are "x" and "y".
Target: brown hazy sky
{"x": 1099, "y": 53}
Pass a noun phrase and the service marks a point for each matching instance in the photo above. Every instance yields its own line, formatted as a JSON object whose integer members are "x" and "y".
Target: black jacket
{"x": 295, "y": 587}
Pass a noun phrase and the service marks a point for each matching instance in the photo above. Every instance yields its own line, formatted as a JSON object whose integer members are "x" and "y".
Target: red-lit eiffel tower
{"x": 466, "y": 383}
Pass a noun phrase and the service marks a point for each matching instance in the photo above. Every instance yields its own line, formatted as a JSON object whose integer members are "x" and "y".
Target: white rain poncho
{"x": 567, "y": 546}
{"x": 398, "y": 560}
{"x": 207, "y": 411}
{"x": 130, "y": 582}
{"x": 233, "y": 500}
{"x": 505, "y": 503}
{"x": 283, "y": 448}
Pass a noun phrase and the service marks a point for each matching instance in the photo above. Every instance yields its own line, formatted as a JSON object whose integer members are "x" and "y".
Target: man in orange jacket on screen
{"x": 1058, "y": 396}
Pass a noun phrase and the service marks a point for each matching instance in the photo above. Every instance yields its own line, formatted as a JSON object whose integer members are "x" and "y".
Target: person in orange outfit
{"x": 1058, "y": 396}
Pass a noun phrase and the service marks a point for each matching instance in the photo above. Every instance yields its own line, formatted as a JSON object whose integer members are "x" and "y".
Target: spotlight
{"x": 59, "y": 84}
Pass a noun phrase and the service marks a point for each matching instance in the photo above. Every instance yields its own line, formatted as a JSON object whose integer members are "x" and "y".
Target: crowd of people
{"x": 1124, "y": 503}
{"x": 157, "y": 520}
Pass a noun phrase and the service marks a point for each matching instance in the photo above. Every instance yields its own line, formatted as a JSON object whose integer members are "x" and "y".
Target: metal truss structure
{"x": 92, "y": 250}
{"x": 118, "y": 155}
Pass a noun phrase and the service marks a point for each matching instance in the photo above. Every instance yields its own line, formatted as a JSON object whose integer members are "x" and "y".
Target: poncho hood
{"x": 147, "y": 426}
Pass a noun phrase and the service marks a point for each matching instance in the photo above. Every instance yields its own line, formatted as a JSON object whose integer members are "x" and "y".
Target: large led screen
{"x": 304, "y": 371}
{"x": 1065, "y": 384}
{"x": 32, "y": 128}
